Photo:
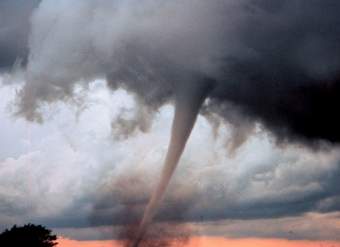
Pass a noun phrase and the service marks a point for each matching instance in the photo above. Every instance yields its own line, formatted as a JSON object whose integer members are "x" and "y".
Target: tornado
{"x": 189, "y": 99}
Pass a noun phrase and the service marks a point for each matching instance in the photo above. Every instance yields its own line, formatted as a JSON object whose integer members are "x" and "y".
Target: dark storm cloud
{"x": 291, "y": 80}
{"x": 278, "y": 63}
{"x": 14, "y": 30}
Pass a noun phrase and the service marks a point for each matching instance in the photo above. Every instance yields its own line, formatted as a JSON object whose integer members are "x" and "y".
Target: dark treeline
{"x": 28, "y": 235}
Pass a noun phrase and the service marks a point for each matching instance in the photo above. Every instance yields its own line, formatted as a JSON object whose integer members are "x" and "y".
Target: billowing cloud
{"x": 71, "y": 175}
{"x": 258, "y": 182}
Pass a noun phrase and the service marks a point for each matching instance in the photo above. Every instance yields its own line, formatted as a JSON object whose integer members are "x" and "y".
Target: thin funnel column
{"x": 187, "y": 105}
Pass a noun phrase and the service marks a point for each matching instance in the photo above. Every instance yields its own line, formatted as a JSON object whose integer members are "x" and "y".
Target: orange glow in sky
{"x": 212, "y": 242}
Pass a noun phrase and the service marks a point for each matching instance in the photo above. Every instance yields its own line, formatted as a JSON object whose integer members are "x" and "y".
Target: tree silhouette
{"x": 28, "y": 235}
